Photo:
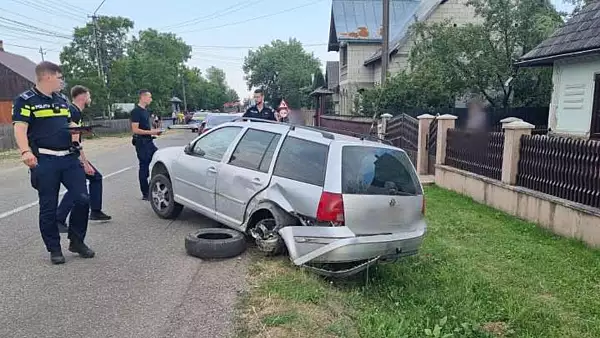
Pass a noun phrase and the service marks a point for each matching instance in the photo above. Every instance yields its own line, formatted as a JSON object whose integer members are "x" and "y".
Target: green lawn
{"x": 481, "y": 273}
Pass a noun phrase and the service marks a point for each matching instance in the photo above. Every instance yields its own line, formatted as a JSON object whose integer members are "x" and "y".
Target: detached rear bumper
{"x": 340, "y": 245}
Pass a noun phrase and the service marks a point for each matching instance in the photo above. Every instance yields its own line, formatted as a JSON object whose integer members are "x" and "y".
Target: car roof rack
{"x": 325, "y": 132}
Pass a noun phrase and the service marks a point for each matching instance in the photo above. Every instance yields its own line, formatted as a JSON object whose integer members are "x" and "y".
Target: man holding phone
{"x": 81, "y": 98}
{"x": 142, "y": 139}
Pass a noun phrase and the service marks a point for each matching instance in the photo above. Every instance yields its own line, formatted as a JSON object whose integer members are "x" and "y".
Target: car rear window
{"x": 378, "y": 171}
{"x": 302, "y": 161}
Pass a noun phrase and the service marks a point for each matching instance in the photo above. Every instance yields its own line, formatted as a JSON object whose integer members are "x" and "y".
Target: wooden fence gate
{"x": 431, "y": 145}
{"x": 403, "y": 132}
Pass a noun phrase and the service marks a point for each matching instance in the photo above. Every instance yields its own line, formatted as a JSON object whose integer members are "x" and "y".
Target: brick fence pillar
{"x": 422, "y": 154}
{"x": 444, "y": 122}
{"x": 512, "y": 145}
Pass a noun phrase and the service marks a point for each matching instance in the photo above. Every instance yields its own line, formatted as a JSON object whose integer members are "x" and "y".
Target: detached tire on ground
{"x": 215, "y": 243}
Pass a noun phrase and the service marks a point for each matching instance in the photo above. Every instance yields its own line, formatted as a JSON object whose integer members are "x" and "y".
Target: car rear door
{"x": 381, "y": 190}
{"x": 245, "y": 174}
{"x": 195, "y": 174}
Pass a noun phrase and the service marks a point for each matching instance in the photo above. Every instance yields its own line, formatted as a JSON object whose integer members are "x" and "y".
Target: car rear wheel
{"x": 215, "y": 243}
{"x": 162, "y": 199}
{"x": 268, "y": 241}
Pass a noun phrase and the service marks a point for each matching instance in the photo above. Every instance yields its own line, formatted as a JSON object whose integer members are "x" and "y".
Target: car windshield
{"x": 378, "y": 171}
{"x": 215, "y": 120}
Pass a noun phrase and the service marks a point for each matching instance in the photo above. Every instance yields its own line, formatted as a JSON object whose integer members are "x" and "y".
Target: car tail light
{"x": 331, "y": 208}
{"x": 423, "y": 206}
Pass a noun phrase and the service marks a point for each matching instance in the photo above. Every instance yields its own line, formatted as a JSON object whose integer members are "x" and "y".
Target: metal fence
{"x": 562, "y": 167}
{"x": 476, "y": 152}
{"x": 7, "y": 136}
{"x": 403, "y": 132}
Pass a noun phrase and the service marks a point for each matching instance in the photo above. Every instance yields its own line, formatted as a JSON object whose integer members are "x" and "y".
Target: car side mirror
{"x": 188, "y": 149}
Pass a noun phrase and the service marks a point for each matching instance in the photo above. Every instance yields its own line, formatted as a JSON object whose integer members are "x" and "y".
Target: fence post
{"x": 422, "y": 154}
{"x": 508, "y": 120}
{"x": 444, "y": 122}
{"x": 512, "y": 146}
{"x": 382, "y": 125}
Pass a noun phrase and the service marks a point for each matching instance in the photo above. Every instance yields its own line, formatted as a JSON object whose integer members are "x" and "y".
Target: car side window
{"x": 214, "y": 145}
{"x": 253, "y": 148}
{"x": 302, "y": 161}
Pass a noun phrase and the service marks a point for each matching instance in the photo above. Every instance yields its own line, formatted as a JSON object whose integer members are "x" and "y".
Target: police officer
{"x": 81, "y": 98}
{"x": 41, "y": 119}
{"x": 142, "y": 139}
{"x": 259, "y": 111}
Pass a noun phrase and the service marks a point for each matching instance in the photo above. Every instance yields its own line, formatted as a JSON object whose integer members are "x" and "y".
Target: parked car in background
{"x": 338, "y": 204}
{"x": 214, "y": 119}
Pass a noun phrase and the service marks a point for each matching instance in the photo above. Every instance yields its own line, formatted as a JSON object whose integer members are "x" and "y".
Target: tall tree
{"x": 479, "y": 58}
{"x": 282, "y": 69}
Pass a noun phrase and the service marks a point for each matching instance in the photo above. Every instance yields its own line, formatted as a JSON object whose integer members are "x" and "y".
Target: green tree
{"x": 282, "y": 69}
{"x": 479, "y": 59}
{"x": 79, "y": 59}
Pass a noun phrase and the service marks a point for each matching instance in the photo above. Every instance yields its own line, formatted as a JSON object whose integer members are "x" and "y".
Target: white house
{"x": 428, "y": 11}
{"x": 574, "y": 53}
{"x": 355, "y": 32}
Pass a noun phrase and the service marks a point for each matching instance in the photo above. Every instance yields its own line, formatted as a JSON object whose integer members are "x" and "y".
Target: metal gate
{"x": 431, "y": 146}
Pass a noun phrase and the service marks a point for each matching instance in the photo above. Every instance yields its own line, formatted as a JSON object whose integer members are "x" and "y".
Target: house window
{"x": 595, "y": 124}
{"x": 344, "y": 56}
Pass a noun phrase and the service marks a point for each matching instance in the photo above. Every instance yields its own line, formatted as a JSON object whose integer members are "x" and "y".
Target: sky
{"x": 220, "y": 32}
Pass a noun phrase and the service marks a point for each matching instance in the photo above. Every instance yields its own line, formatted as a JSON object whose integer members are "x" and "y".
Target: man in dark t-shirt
{"x": 259, "y": 111}
{"x": 142, "y": 139}
{"x": 81, "y": 98}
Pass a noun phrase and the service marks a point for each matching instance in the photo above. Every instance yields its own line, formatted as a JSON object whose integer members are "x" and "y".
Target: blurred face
{"x": 85, "y": 98}
{"x": 146, "y": 98}
{"x": 258, "y": 97}
{"x": 283, "y": 113}
{"x": 54, "y": 82}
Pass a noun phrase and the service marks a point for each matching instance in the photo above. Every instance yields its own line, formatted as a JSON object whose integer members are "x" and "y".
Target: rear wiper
{"x": 400, "y": 193}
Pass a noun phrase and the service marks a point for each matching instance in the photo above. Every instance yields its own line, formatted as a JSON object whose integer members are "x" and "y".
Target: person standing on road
{"x": 41, "y": 119}
{"x": 81, "y": 98}
{"x": 259, "y": 111}
{"x": 142, "y": 139}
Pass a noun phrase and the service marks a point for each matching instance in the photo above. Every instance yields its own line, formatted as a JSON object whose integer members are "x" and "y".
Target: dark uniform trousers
{"x": 46, "y": 178}
{"x": 145, "y": 149}
{"x": 95, "y": 193}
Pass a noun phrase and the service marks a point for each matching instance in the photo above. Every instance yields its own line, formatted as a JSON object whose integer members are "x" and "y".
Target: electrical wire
{"x": 252, "y": 19}
{"x": 32, "y": 48}
{"x": 252, "y": 47}
{"x": 216, "y": 15}
{"x": 48, "y": 9}
{"x": 35, "y": 29}
{"x": 2, "y": 10}
{"x": 61, "y": 6}
{"x": 72, "y": 7}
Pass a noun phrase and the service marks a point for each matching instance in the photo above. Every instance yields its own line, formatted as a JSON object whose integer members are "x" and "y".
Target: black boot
{"x": 97, "y": 215}
{"x": 56, "y": 257}
{"x": 80, "y": 248}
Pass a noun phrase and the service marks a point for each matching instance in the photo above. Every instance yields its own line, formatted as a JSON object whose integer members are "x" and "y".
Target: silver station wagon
{"x": 336, "y": 203}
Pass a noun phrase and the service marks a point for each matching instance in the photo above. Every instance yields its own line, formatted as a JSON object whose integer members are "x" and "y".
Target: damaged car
{"x": 336, "y": 204}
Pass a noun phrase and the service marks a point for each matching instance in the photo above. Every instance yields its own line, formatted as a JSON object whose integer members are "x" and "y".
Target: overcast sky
{"x": 220, "y": 32}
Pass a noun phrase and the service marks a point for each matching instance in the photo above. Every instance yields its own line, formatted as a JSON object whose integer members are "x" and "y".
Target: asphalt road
{"x": 141, "y": 282}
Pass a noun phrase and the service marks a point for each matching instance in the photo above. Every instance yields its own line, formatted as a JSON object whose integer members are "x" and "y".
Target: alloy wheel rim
{"x": 160, "y": 196}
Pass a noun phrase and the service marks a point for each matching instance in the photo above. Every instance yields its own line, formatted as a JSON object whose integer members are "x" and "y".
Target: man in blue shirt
{"x": 41, "y": 119}
{"x": 81, "y": 98}
{"x": 142, "y": 139}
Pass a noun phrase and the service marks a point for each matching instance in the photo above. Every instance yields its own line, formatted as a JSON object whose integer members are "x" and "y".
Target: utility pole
{"x": 385, "y": 44}
{"x": 183, "y": 87}
{"x": 42, "y": 53}
{"x": 97, "y": 44}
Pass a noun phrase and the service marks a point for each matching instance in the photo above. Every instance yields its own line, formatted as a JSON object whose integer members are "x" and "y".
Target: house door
{"x": 595, "y": 126}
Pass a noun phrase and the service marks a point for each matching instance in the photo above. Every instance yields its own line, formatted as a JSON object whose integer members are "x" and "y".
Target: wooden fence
{"x": 478, "y": 152}
{"x": 562, "y": 167}
{"x": 7, "y": 137}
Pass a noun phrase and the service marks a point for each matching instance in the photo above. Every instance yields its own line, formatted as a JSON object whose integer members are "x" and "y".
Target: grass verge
{"x": 481, "y": 273}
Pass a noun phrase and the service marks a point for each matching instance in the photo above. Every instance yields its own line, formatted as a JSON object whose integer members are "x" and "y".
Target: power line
{"x": 2, "y": 10}
{"x": 61, "y": 6}
{"x": 254, "y": 18}
{"x": 29, "y": 47}
{"x": 251, "y": 47}
{"x": 100, "y": 5}
{"x": 48, "y": 9}
{"x": 229, "y": 10}
{"x": 24, "y": 30}
{"x": 70, "y": 6}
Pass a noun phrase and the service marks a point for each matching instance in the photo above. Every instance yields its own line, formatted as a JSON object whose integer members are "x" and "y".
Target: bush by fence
{"x": 562, "y": 167}
{"x": 7, "y": 136}
{"x": 476, "y": 152}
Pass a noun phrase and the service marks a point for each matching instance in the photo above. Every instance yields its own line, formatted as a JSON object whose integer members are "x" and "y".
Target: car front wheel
{"x": 162, "y": 199}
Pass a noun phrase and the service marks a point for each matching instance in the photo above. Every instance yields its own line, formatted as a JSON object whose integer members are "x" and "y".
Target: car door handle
{"x": 256, "y": 180}
{"x": 212, "y": 170}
